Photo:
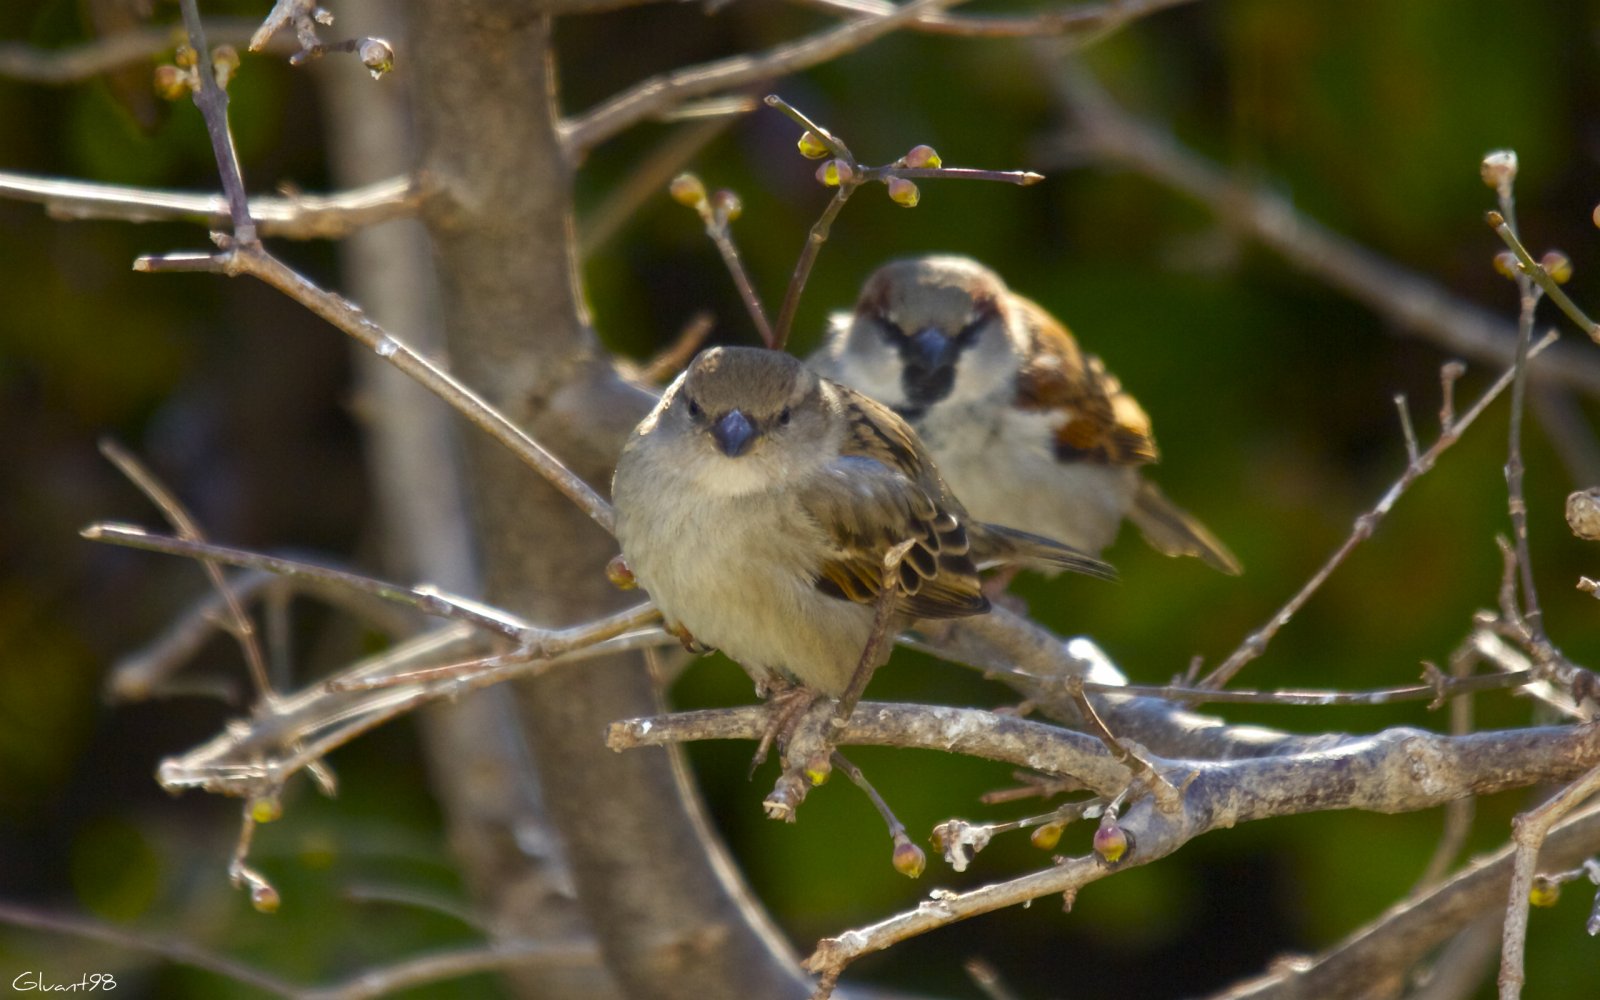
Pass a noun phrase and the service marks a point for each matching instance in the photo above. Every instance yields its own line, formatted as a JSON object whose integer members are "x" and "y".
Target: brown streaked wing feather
{"x": 1101, "y": 423}
{"x": 866, "y": 507}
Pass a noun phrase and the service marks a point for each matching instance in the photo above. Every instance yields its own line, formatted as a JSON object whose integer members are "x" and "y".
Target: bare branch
{"x": 253, "y": 260}
{"x": 292, "y": 216}
{"x": 1408, "y": 300}
{"x": 437, "y": 967}
{"x": 1385, "y": 949}
{"x": 1528, "y": 835}
{"x": 1256, "y": 643}
{"x": 57, "y": 67}
{"x": 650, "y": 98}
{"x": 212, "y": 101}
{"x": 1085, "y": 22}
{"x": 1393, "y": 771}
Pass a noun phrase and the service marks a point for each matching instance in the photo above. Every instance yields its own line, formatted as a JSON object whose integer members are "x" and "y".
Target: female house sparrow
{"x": 756, "y": 504}
{"x": 1026, "y": 428}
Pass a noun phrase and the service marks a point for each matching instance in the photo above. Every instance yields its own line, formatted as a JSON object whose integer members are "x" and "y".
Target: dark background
{"x": 1270, "y": 395}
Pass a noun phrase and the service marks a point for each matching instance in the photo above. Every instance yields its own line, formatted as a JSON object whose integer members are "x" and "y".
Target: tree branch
{"x": 1412, "y": 303}
{"x": 293, "y": 216}
{"x": 651, "y": 97}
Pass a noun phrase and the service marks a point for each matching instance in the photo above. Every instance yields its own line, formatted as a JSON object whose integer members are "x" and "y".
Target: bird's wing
{"x": 1098, "y": 421}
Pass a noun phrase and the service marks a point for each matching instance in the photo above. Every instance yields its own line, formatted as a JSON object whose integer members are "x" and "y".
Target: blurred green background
{"x": 1270, "y": 395}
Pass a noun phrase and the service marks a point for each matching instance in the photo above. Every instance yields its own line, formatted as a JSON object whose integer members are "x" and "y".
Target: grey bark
{"x": 673, "y": 918}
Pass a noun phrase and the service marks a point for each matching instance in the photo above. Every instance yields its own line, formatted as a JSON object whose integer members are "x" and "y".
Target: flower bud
{"x": 835, "y": 172}
{"x": 727, "y": 205}
{"x": 376, "y": 55}
{"x": 264, "y": 898}
{"x": 1112, "y": 842}
{"x": 619, "y": 573}
{"x": 266, "y": 808}
{"x": 811, "y": 146}
{"x": 224, "y": 63}
{"x": 1498, "y": 168}
{"x": 686, "y": 189}
{"x": 1046, "y": 837}
{"x": 1505, "y": 262}
{"x": 903, "y": 192}
{"x": 908, "y": 857}
{"x": 1557, "y": 265}
{"x": 923, "y": 156}
{"x": 1545, "y": 891}
{"x": 186, "y": 57}
{"x": 171, "y": 83}
{"x": 818, "y": 768}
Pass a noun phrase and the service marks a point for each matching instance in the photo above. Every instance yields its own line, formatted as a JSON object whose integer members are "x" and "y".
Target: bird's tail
{"x": 994, "y": 545}
{"x": 1173, "y": 531}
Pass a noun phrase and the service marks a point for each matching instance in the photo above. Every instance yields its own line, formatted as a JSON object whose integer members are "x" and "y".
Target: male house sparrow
{"x": 756, "y": 504}
{"x": 1026, "y": 428}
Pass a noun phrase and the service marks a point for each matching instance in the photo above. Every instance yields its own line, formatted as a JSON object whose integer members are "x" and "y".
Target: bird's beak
{"x": 932, "y": 351}
{"x": 733, "y": 433}
{"x": 930, "y": 372}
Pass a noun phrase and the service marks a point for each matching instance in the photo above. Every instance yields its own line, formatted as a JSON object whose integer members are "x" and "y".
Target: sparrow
{"x": 757, "y": 502}
{"x": 1026, "y": 428}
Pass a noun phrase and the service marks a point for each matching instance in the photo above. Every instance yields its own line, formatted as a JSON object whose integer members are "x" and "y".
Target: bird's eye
{"x": 695, "y": 411}
{"x": 783, "y": 418}
{"x": 969, "y": 333}
{"x": 891, "y": 331}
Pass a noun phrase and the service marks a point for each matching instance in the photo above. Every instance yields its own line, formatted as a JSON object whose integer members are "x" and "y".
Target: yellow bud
{"x": 811, "y": 146}
{"x": 1505, "y": 262}
{"x": 818, "y": 768}
{"x": 903, "y": 192}
{"x": 834, "y": 173}
{"x": 186, "y": 57}
{"x": 224, "y": 63}
{"x": 1111, "y": 843}
{"x": 727, "y": 205}
{"x": 923, "y": 156}
{"x": 266, "y": 808}
{"x": 377, "y": 55}
{"x": 619, "y": 574}
{"x": 686, "y": 189}
{"x": 908, "y": 857}
{"x": 171, "y": 83}
{"x": 1557, "y": 265}
{"x": 1046, "y": 837}
{"x": 1545, "y": 892}
{"x": 1499, "y": 167}
{"x": 265, "y": 898}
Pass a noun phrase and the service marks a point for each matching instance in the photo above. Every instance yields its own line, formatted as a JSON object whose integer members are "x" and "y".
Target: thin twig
{"x": 645, "y": 181}
{"x": 1256, "y": 643}
{"x": 1528, "y": 833}
{"x": 212, "y": 101}
{"x": 426, "y": 600}
{"x": 1410, "y": 302}
{"x": 295, "y": 216}
{"x": 235, "y": 260}
{"x": 1458, "y": 814}
{"x": 651, "y": 97}
{"x": 1086, "y": 21}
{"x": 236, "y": 623}
{"x": 108, "y": 53}
{"x": 1516, "y": 501}
{"x": 382, "y": 981}
{"x": 1536, "y": 271}
{"x": 666, "y": 365}
{"x": 1131, "y": 757}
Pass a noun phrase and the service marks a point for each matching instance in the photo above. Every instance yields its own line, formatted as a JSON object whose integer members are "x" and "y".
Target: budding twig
{"x": 1256, "y": 643}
